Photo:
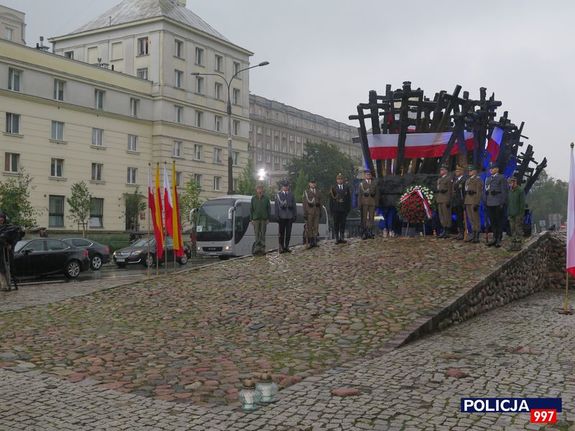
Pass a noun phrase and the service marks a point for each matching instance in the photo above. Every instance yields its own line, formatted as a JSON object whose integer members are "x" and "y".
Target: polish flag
{"x": 155, "y": 204}
{"x": 424, "y": 145}
{"x": 168, "y": 206}
{"x": 494, "y": 143}
{"x": 571, "y": 221}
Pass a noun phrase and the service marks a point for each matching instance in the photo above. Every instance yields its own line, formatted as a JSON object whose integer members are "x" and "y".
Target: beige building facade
{"x": 279, "y": 132}
{"x": 12, "y": 25}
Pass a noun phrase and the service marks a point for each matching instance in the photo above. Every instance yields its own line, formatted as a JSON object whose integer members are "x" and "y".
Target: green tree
{"x": 190, "y": 198}
{"x": 300, "y": 185}
{"x": 134, "y": 203}
{"x": 79, "y": 203}
{"x": 323, "y": 162}
{"x": 15, "y": 200}
{"x": 548, "y": 196}
{"x": 247, "y": 181}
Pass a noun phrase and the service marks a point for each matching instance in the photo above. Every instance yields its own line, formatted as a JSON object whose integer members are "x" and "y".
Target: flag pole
{"x": 566, "y": 307}
{"x": 149, "y": 216}
{"x": 174, "y": 205}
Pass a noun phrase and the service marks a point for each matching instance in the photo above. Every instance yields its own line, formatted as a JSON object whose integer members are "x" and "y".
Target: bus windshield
{"x": 214, "y": 222}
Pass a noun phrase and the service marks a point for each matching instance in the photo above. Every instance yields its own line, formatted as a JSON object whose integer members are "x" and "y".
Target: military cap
{"x": 472, "y": 167}
{"x": 459, "y": 168}
{"x": 339, "y": 176}
{"x": 493, "y": 165}
{"x": 284, "y": 183}
{"x": 513, "y": 178}
{"x": 312, "y": 180}
{"x": 444, "y": 166}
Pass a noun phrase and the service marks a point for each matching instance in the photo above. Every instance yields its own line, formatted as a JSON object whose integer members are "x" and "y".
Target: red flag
{"x": 155, "y": 205}
{"x": 176, "y": 225}
{"x": 168, "y": 207}
{"x": 571, "y": 220}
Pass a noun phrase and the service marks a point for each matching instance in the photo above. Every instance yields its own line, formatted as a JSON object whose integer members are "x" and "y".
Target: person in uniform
{"x": 458, "y": 200}
{"x": 495, "y": 197}
{"x": 515, "y": 212}
{"x": 368, "y": 199}
{"x": 444, "y": 193}
{"x": 286, "y": 212}
{"x": 473, "y": 194}
{"x": 312, "y": 212}
{"x": 259, "y": 216}
{"x": 340, "y": 205}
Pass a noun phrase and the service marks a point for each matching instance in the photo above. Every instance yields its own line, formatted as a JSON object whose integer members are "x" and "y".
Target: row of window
{"x": 200, "y": 87}
{"x": 56, "y": 212}
{"x": 201, "y": 123}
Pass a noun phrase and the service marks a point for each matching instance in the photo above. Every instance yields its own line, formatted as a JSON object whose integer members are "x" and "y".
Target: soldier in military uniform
{"x": 458, "y": 199}
{"x": 443, "y": 199}
{"x": 496, "y": 191}
{"x": 368, "y": 199}
{"x": 340, "y": 205}
{"x": 286, "y": 212}
{"x": 473, "y": 194}
{"x": 515, "y": 212}
{"x": 311, "y": 212}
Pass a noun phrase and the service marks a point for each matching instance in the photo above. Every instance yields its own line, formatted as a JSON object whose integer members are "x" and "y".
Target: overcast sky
{"x": 326, "y": 55}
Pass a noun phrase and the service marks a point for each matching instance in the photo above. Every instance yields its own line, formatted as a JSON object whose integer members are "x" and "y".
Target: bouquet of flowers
{"x": 415, "y": 204}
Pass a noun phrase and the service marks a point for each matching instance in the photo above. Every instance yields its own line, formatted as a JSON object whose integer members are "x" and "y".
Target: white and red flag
{"x": 494, "y": 143}
{"x": 384, "y": 146}
{"x": 155, "y": 204}
{"x": 168, "y": 206}
{"x": 571, "y": 220}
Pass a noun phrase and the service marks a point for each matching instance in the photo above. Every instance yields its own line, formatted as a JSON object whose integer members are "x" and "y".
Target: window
{"x": 97, "y": 171}
{"x": 235, "y": 158}
{"x": 178, "y": 149}
{"x": 93, "y": 55}
{"x": 59, "y": 89}
{"x": 117, "y": 51}
{"x": 179, "y": 114}
{"x": 199, "y": 85}
{"x": 178, "y": 78}
{"x": 97, "y": 137}
{"x": 142, "y": 73}
{"x": 236, "y": 127}
{"x": 143, "y": 46}
{"x": 219, "y": 62}
{"x": 134, "y": 105}
{"x": 132, "y": 172}
{"x": 197, "y": 152}
{"x": 217, "y": 155}
{"x": 69, "y": 54}
{"x": 99, "y": 99}
{"x": 14, "y": 78}
{"x": 55, "y": 211}
{"x": 178, "y": 48}
{"x": 178, "y": 179}
{"x": 199, "y": 56}
{"x": 12, "y": 123}
{"x": 11, "y": 162}
{"x": 260, "y": 157}
{"x": 132, "y": 143}
{"x": 236, "y": 96}
{"x": 57, "y": 168}
{"x": 57, "y": 131}
{"x": 217, "y": 181}
{"x": 198, "y": 180}
{"x": 236, "y": 67}
{"x": 199, "y": 118}
{"x": 96, "y": 212}
{"x": 8, "y": 33}
{"x": 218, "y": 88}
{"x": 218, "y": 123}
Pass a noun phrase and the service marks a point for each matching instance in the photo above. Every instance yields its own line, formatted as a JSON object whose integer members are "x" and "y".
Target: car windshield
{"x": 215, "y": 221}
{"x": 140, "y": 243}
{"x": 19, "y": 245}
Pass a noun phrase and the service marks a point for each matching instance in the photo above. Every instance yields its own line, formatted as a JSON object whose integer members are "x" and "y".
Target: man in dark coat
{"x": 458, "y": 199}
{"x": 340, "y": 205}
{"x": 495, "y": 197}
{"x": 286, "y": 212}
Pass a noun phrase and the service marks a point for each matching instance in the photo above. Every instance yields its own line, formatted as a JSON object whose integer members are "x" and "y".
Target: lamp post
{"x": 229, "y": 113}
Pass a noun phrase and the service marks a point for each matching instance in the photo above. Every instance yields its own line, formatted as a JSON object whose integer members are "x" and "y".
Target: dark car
{"x": 40, "y": 257}
{"x": 99, "y": 254}
{"x": 144, "y": 251}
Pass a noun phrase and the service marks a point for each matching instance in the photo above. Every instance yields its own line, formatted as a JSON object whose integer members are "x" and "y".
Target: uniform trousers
{"x": 459, "y": 219}
{"x": 496, "y": 214}
{"x": 312, "y": 223}
{"x": 339, "y": 219}
{"x": 473, "y": 216}
{"x": 367, "y": 216}
{"x": 444, "y": 215}
{"x": 259, "y": 246}
{"x": 285, "y": 232}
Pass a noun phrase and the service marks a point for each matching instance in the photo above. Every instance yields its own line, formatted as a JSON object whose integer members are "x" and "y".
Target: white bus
{"x": 223, "y": 227}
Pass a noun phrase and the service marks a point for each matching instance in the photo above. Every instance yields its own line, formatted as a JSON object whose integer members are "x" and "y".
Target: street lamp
{"x": 229, "y": 112}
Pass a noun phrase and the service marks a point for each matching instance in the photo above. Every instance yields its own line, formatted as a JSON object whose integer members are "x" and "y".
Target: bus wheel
{"x": 222, "y": 257}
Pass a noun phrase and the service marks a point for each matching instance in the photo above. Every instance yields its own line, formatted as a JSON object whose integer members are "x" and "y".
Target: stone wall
{"x": 540, "y": 265}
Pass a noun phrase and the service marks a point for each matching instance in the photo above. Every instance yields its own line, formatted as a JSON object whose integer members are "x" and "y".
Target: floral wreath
{"x": 415, "y": 204}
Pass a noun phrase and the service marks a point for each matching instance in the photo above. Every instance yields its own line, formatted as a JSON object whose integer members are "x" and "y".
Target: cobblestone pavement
{"x": 193, "y": 336}
{"x": 522, "y": 349}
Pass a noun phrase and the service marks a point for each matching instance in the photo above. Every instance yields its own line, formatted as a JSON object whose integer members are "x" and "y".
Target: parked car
{"x": 40, "y": 257}
{"x": 144, "y": 251}
{"x": 99, "y": 254}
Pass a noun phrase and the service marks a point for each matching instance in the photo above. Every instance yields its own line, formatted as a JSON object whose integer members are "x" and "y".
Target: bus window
{"x": 299, "y": 218}
{"x": 273, "y": 215}
{"x": 213, "y": 223}
{"x": 242, "y": 220}
{"x": 323, "y": 216}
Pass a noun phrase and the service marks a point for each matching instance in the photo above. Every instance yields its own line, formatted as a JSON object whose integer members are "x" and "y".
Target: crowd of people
{"x": 459, "y": 197}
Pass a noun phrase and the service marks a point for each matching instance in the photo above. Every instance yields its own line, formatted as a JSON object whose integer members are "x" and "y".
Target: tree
{"x": 190, "y": 198}
{"x": 79, "y": 203}
{"x": 15, "y": 200}
{"x": 300, "y": 185}
{"x": 247, "y": 180}
{"x": 548, "y": 196}
{"x": 323, "y": 162}
{"x": 135, "y": 203}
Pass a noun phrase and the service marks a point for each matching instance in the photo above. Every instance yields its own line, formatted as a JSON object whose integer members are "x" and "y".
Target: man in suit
{"x": 458, "y": 199}
{"x": 496, "y": 191}
{"x": 368, "y": 199}
{"x": 340, "y": 205}
{"x": 473, "y": 194}
{"x": 443, "y": 199}
{"x": 286, "y": 212}
{"x": 312, "y": 212}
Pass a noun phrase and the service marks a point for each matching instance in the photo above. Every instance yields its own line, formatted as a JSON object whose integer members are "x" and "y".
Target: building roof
{"x": 136, "y": 10}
